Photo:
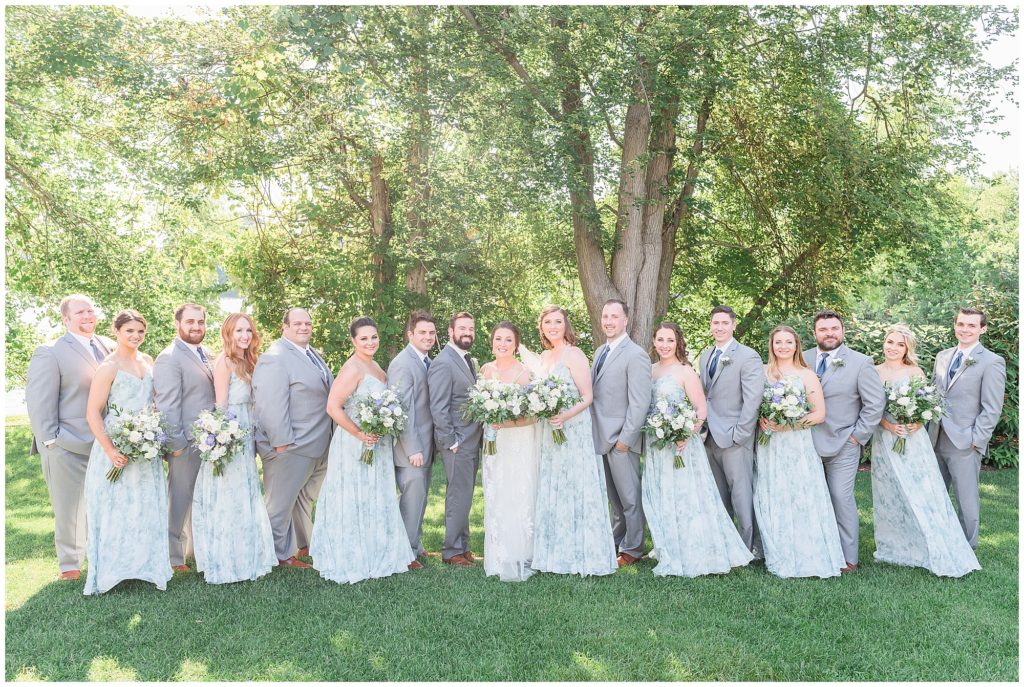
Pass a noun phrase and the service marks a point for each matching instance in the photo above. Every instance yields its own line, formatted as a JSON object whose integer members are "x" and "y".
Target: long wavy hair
{"x": 570, "y": 333}
{"x": 798, "y": 352}
{"x": 910, "y": 356}
{"x": 680, "y": 351}
{"x": 244, "y": 361}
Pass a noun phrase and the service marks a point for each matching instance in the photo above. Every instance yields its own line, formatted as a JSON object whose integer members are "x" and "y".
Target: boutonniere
{"x": 725, "y": 361}
{"x": 476, "y": 363}
{"x": 838, "y": 362}
{"x": 971, "y": 360}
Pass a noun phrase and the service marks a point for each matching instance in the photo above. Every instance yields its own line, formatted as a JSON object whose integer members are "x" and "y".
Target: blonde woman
{"x": 914, "y": 519}
{"x": 230, "y": 526}
{"x": 791, "y": 502}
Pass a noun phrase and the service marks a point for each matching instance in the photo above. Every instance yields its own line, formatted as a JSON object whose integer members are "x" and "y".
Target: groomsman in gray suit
{"x": 451, "y": 375}
{"x": 854, "y": 402}
{"x": 59, "y": 376}
{"x": 414, "y": 447}
{"x": 183, "y": 387}
{"x": 733, "y": 378}
{"x": 290, "y": 386}
{"x": 622, "y": 395}
{"x": 974, "y": 381}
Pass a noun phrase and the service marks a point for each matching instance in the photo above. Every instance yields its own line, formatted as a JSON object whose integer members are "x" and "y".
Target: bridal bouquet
{"x": 911, "y": 402}
{"x": 493, "y": 401}
{"x": 547, "y": 397}
{"x": 136, "y": 436}
{"x": 379, "y": 413}
{"x": 218, "y": 436}
{"x": 784, "y": 403}
{"x": 671, "y": 420}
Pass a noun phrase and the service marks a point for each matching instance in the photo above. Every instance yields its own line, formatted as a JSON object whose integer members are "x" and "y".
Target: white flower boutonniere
{"x": 971, "y": 360}
{"x": 725, "y": 361}
{"x": 838, "y": 362}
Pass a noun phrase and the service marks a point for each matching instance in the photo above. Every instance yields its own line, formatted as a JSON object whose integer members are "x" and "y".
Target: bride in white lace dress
{"x": 510, "y": 475}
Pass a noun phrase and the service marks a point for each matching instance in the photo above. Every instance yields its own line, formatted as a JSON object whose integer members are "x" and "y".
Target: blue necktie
{"x": 713, "y": 367}
{"x": 822, "y": 364}
{"x": 957, "y": 359}
{"x": 202, "y": 355}
{"x": 469, "y": 361}
{"x": 319, "y": 367}
{"x": 96, "y": 352}
{"x": 600, "y": 360}
{"x": 426, "y": 362}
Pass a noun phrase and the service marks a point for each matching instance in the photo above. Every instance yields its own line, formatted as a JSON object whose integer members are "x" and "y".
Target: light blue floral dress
{"x": 230, "y": 526}
{"x": 793, "y": 509}
{"x": 358, "y": 533}
{"x": 914, "y": 520}
{"x": 573, "y": 531}
{"x": 692, "y": 532}
{"x": 126, "y": 519}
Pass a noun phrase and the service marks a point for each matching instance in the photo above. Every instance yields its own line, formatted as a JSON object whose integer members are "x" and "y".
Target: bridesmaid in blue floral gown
{"x": 230, "y": 526}
{"x": 692, "y": 532}
{"x": 127, "y": 519}
{"x": 358, "y": 533}
{"x": 791, "y": 502}
{"x": 573, "y": 531}
{"x": 914, "y": 519}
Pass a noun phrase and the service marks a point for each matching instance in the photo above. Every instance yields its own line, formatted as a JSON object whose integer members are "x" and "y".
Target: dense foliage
{"x": 372, "y": 159}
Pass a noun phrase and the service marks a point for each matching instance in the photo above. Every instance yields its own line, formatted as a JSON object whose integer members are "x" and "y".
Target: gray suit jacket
{"x": 622, "y": 397}
{"x": 734, "y": 395}
{"x": 290, "y": 397}
{"x": 974, "y": 397}
{"x": 448, "y": 384}
{"x": 854, "y": 400}
{"x": 408, "y": 374}
{"x": 183, "y": 388}
{"x": 59, "y": 376}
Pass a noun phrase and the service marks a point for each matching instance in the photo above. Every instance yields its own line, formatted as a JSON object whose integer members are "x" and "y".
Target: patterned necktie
{"x": 822, "y": 364}
{"x": 713, "y": 367}
{"x": 957, "y": 359}
{"x": 202, "y": 356}
{"x": 600, "y": 360}
{"x": 426, "y": 362}
{"x": 316, "y": 363}
{"x": 469, "y": 361}
{"x": 96, "y": 352}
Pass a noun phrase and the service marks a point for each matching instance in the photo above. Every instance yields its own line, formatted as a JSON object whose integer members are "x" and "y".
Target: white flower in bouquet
{"x": 492, "y": 401}
{"x": 671, "y": 420}
{"x": 913, "y": 402}
{"x": 549, "y": 396}
{"x": 783, "y": 402}
{"x": 218, "y": 436}
{"x": 137, "y": 436}
{"x": 380, "y": 413}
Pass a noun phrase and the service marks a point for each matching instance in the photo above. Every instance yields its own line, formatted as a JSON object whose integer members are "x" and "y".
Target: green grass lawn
{"x": 446, "y": 623}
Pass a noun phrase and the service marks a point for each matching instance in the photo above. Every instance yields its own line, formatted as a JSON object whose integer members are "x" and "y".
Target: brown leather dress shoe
{"x": 69, "y": 575}
{"x": 468, "y": 555}
{"x": 625, "y": 559}
{"x": 304, "y": 551}
{"x": 850, "y": 567}
{"x": 180, "y": 568}
{"x": 415, "y": 565}
{"x": 293, "y": 562}
{"x": 458, "y": 559}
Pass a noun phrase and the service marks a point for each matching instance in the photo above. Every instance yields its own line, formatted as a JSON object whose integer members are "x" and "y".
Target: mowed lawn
{"x": 446, "y": 623}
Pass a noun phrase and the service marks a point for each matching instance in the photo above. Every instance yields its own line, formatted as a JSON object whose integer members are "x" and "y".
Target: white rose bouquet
{"x": 379, "y": 413}
{"x": 218, "y": 436}
{"x": 671, "y": 420}
{"x": 911, "y": 402}
{"x": 784, "y": 403}
{"x": 547, "y": 397}
{"x": 137, "y": 436}
{"x": 493, "y": 401}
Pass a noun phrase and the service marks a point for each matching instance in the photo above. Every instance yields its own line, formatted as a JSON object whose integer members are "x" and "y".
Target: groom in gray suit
{"x": 974, "y": 381}
{"x": 622, "y": 395}
{"x": 414, "y": 447}
{"x": 733, "y": 378}
{"x": 290, "y": 386}
{"x": 59, "y": 376}
{"x": 183, "y": 387}
{"x": 451, "y": 375}
{"x": 854, "y": 402}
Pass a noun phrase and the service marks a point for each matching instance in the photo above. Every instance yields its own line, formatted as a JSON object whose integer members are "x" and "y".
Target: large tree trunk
{"x": 382, "y": 230}
{"x": 419, "y": 199}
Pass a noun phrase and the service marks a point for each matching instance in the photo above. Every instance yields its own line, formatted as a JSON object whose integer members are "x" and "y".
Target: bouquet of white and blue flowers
{"x": 380, "y": 413}
{"x": 671, "y": 420}
{"x": 217, "y": 436}
{"x": 136, "y": 436}
{"x": 493, "y": 401}
{"x": 547, "y": 397}
{"x": 911, "y": 402}
{"x": 784, "y": 403}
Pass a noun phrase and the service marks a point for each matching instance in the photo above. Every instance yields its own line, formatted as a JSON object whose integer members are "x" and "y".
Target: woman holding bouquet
{"x": 127, "y": 515}
{"x": 510, "y": 475}
{"x": 791, "y": 502}
{"x": 573, "y": 532}
{"x": 692, "y": 532}
{"x": 914, "y": 519}
{"x": 358, "y": 533}
{"x": 230, "y": 527}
